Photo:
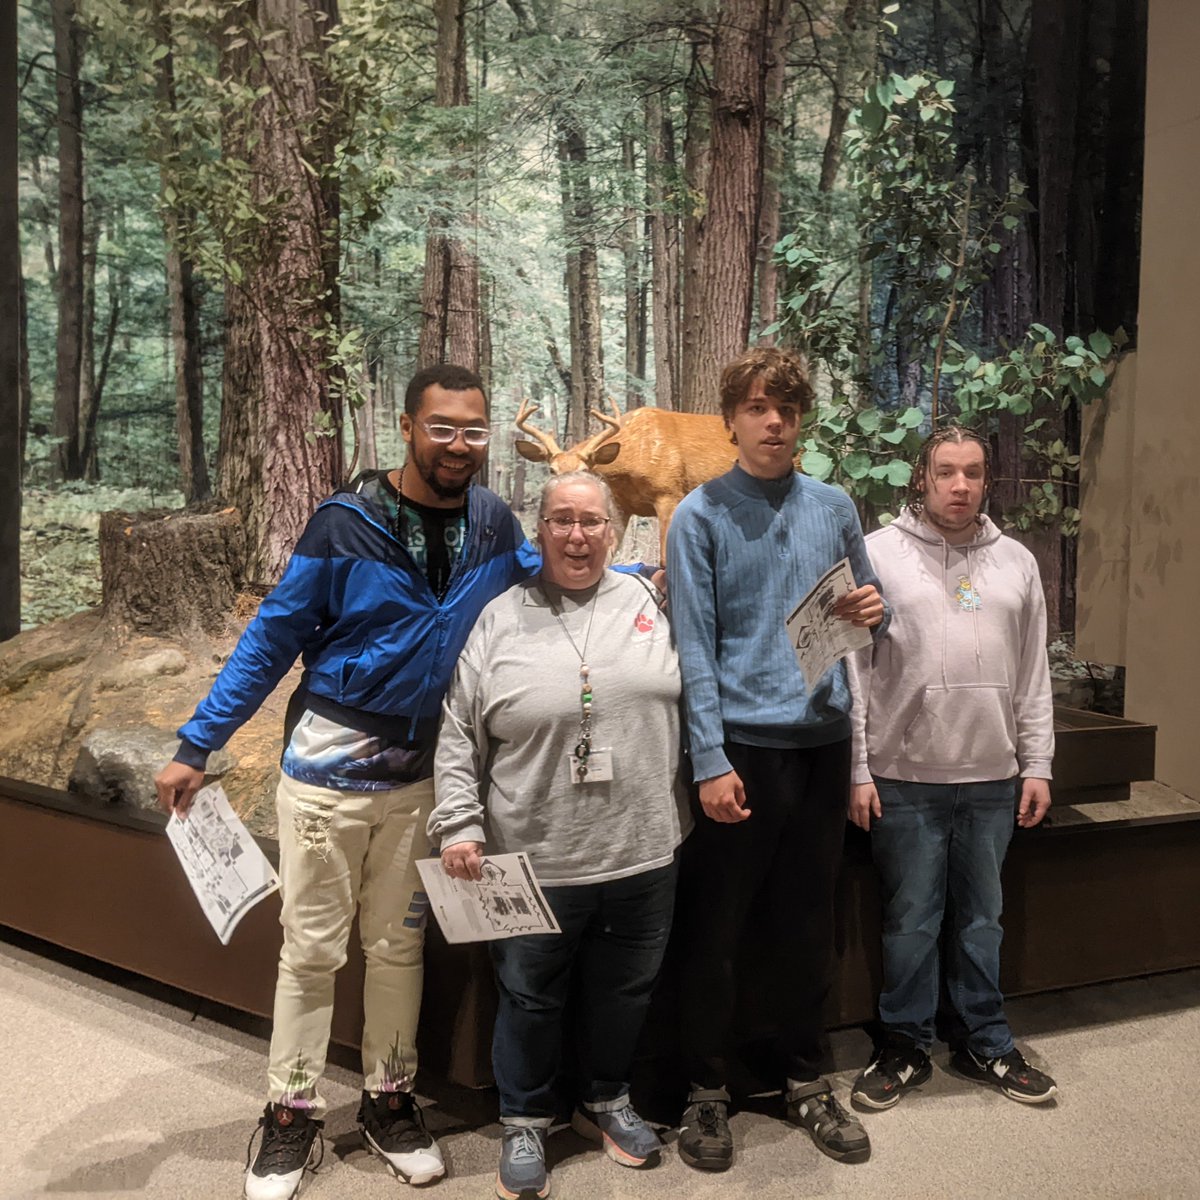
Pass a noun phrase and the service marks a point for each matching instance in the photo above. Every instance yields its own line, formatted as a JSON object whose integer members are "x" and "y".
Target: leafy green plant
{"x": 927, "y": 235}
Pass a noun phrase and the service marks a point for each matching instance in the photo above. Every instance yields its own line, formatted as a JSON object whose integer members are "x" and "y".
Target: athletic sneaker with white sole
{"x": 892, "y": 1071}
{"x": 626, "y": 1138}
{"x": 522, "y": 1174}
{"x": 290, "y": 1140}
{"x": 393, "y": 1129}
{"x": 1010, "y": 1073}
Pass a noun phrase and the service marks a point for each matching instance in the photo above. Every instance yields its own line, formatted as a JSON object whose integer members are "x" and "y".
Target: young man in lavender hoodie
{"x": 953, "y": 738}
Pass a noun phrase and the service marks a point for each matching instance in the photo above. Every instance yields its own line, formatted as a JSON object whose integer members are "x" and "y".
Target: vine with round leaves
{"x": 928, "y": 230}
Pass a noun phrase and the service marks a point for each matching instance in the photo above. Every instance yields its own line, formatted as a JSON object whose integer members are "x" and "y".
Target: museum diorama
{"x": 899, "y": 239}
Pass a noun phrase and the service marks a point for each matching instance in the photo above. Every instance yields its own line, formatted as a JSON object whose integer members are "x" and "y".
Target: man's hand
{"x": 724, "y": 798}
{"x": 463, "y": 860}
{"x": 1035, "y": 802}
{"x": 864, "y": 804}
{"x": 659, "y": 579}
{"x": 863, "y": 607}
{"x": 177, "y": 785}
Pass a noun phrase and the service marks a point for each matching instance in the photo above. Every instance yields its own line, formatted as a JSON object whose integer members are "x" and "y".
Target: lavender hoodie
{"x": 958, "y": 690}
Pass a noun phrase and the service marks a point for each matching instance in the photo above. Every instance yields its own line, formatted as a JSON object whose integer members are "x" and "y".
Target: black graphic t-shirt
{"x": 433, "y": 536}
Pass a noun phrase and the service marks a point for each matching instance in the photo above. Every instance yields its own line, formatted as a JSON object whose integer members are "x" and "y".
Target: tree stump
{"x": 170, "y": 571}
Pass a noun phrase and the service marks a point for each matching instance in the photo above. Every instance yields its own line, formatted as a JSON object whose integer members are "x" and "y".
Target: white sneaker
{"x": 289, "y": 1143}
{"x": 393, "y": 1128}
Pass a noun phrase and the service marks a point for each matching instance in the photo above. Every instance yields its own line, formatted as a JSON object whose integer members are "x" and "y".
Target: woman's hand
{"x": 463, "y": 860}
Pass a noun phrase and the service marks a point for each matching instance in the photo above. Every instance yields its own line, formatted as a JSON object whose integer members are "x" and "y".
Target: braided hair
{"x": 954, "y": 434}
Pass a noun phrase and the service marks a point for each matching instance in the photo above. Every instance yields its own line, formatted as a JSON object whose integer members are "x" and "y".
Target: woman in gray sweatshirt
{"x": 560, "y": 737}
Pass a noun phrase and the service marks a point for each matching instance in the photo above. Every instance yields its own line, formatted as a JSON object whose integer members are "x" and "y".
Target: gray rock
{"x": 161, "y": 662}
{"x": 119, "y": 765}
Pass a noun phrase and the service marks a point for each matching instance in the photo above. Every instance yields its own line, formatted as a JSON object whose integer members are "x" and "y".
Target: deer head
{"x": 596, "y": 451}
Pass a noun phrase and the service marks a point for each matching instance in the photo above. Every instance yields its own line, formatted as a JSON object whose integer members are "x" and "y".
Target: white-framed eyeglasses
{"x": 443, "y": 435}
{"x": 590, "y": 526}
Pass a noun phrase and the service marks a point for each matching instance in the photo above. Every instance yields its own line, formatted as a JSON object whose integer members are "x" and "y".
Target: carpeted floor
{"x": 112, "y": 1089}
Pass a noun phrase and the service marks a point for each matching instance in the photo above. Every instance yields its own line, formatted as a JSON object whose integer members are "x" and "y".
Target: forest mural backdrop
{"x": 244, "y": 225}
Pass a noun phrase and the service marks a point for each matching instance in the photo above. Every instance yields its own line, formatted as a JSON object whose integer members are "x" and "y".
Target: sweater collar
{"x": 773, "y": 490}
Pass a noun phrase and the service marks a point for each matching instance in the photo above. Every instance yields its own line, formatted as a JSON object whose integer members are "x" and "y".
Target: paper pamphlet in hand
{"x": 506, "y": 902}
{"x": 819, "y": 637}
{"x": 223, "y": 863}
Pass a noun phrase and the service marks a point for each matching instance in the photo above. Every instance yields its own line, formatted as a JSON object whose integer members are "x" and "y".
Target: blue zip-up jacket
{"x": 379, "y": 648}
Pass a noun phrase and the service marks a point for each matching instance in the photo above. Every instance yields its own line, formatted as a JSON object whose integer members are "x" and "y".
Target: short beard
{"x": 454, "y": 491}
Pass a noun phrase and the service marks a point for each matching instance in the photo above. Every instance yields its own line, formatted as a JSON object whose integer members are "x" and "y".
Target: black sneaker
{"x": 1010, "y": 1073}
{"x": 392, "y": 1128}
{"x": 893, "y": 1070}
{"x": 289, "y": 1141}
{"x": 705, "y": 1140}
{"x": 812, "y": 1106}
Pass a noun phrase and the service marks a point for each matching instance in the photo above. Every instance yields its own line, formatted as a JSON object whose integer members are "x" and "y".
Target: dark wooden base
{"x": 1084, "y": 904}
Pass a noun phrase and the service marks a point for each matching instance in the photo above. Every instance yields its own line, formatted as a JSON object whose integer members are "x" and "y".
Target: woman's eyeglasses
{"x": 590, "y": 526}
{"x": 443, "y": 435}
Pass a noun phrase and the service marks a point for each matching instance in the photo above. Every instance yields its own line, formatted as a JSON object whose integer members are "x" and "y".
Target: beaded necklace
{"x": 583, "y": 748}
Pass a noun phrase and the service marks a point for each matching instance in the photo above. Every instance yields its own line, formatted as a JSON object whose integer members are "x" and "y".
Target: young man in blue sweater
{"x": 385, "y": 584}
{"x": 771, "y": 758}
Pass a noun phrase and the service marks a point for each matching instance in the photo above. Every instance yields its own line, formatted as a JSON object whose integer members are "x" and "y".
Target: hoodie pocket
{"x": 961, "y": 725}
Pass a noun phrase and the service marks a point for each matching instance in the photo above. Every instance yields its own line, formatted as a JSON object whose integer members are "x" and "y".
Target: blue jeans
{"x": 936, "y": 842}
{"x": 613, "y": 938}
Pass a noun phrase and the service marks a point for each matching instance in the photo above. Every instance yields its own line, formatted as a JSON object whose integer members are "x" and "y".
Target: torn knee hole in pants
{"x": 311, "y": 820}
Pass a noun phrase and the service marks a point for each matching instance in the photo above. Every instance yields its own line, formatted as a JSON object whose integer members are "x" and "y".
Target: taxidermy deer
{"x": 651, "y": 458}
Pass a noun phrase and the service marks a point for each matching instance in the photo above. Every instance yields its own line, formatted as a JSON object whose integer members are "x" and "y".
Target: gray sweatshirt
{"x": 511, "y": 718}
{"x": 958, "y": 690}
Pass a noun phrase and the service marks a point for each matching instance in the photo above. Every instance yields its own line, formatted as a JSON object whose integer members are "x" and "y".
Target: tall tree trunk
{"x": 1054, "y": 49}
{"x": 664, "y": 252}
{"x": 68, "y": 53}
{"x": 450, "y": 310}
{"x": 12, "y": 324}
{"x": 24, "y": 382}
{"x": 1056, "y": 30}
{"x": 1118, "y": 254}
{"x": 583, "y": 278}
{"x": 182, "y": 301}
{"x": 779, "y": 37}
{"x": 848, "y": 82}
{"x": 721, "y": 278}
{"x": 632, "y": 261}
{"x": 281, "y": 421}
{"x": 88, "y": 447}
{"x": 92, "y": 218}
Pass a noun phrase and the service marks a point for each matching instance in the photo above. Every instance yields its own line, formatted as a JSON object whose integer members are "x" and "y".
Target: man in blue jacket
{"x": 378, "y": 598}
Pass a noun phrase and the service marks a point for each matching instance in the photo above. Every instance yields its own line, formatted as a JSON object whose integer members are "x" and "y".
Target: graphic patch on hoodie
{"x": 969, "y": 600}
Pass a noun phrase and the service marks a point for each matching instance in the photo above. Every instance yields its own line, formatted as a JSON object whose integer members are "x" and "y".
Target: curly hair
{"x": 784, "y": 374}
{"x": 956, "y": 435}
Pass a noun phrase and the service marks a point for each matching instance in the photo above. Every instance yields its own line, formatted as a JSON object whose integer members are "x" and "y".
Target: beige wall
{"x": 1162, "y": 635}
{"x": 1105, "y": 488}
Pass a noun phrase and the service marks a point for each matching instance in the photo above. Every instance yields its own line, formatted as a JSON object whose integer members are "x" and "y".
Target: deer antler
{"x": 546, "y": 439}
{"x": 613, "y": 422}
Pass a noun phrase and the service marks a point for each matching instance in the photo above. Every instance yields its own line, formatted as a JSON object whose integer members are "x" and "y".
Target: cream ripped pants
{"x": 339, "y": 851}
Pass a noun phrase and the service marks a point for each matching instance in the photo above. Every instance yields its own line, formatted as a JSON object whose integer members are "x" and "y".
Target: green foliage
{"x": 928, "y": 234}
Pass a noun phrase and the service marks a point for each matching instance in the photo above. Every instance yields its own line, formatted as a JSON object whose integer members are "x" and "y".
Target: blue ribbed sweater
{"x": 742, "y": 552}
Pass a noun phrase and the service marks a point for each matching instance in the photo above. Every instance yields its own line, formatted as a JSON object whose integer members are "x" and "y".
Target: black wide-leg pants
{"x": 790, "y": 849}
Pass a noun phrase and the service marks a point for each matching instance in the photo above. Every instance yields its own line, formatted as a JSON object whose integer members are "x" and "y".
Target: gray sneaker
{"x": 626, "y": 1138}
{"x": 813, "y": 1106}
{"x": 522, "y": 1174}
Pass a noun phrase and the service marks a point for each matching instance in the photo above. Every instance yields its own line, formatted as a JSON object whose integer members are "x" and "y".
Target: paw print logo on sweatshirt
{"x": 643, "y": 622}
